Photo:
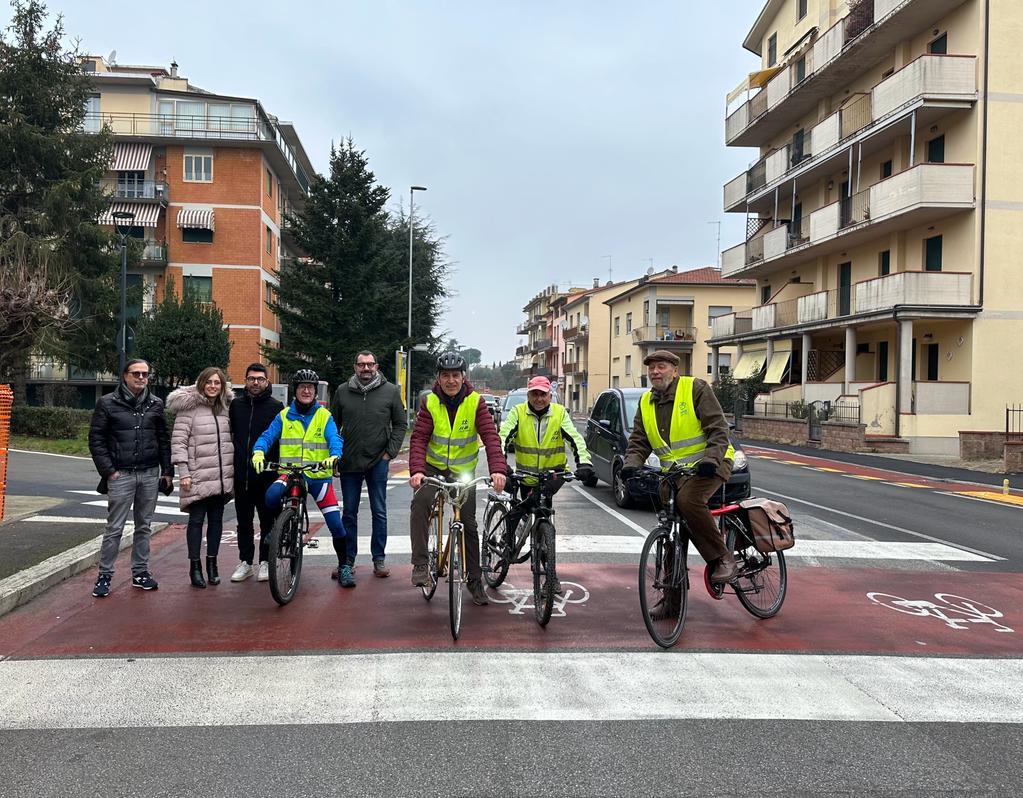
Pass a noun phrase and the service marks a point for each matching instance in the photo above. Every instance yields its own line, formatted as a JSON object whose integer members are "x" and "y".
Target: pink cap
{"x": 539, "y": 384}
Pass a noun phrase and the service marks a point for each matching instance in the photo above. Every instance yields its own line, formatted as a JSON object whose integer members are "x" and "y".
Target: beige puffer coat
{"x": 201, "y": 446}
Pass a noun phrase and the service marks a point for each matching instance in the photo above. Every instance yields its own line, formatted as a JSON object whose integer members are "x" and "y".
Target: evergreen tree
{"x": 50, "y": 171}
{"x": 182, "y": 337}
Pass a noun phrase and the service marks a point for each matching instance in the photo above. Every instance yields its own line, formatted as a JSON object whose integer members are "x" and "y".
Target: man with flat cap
{"x": 681, "y": 421}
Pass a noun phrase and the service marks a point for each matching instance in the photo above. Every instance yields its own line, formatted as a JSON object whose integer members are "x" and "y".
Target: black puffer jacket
{"x": 249, "y": 419}
{"x": 129, "y": 432}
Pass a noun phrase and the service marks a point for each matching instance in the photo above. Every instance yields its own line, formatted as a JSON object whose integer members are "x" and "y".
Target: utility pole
{"x": 609, "y": 278}
{"x": 717, "y": 251}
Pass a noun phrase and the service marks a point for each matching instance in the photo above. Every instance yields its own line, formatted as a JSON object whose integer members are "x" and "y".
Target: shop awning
{"x": 146, "y": 213}
{"x": 196, "y": 217}
{"x": 753, "y": 81}
{"x": 751, "y": 362}
{"x": 131, "y": 156}
{"x": 776, "y": 368}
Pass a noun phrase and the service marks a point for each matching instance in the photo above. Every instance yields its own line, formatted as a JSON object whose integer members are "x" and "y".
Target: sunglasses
{"x": 142, "y": 375}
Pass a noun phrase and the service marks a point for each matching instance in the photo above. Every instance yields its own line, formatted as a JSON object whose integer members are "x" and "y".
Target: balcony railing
{"x": 577, "y": 333}
{"x": 152, "y": 252}
{"x": 664, "y": 334}
{"x": 575, "y": 367}
{"x": 922, "y": 193}
{"x": 940, "y": 78}
{"x": 137, "y": 189}
{"x": 541, "y": 344}
{"x": 523, "y": 328}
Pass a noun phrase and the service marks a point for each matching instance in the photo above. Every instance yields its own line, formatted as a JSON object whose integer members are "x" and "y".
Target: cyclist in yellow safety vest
{"x": 680, "y": 420}
{"x": 445, "y": 443}
{"x": 540, "y": 428}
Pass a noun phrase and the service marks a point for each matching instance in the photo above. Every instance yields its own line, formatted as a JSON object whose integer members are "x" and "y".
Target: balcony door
{"x": 844, "y": 289}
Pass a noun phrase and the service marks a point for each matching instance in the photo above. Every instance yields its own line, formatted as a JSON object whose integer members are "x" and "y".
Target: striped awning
{"x": 146, "y": 213}
{"x": 131, "y": 156}
{"x": 196, "y": 217}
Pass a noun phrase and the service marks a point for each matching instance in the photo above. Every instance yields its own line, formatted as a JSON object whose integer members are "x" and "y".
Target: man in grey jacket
{"x": 369, "y": 412}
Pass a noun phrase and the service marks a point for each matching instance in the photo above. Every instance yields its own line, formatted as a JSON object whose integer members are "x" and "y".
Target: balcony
{"x": 154, "y": 254}
{"x": 542, "y": 345}
{"x": 580, "y": 333}
{"x": 155, "y": 190}
{"x": 935, "y": 292}
{"x": 841, "y": 54}
{"x": 931, "y": 86}
{"x": 575, "y": 368}
{"x": 671, "y": 337}
{"x": 523, "y": 328}
{"x": 919, "y": 195}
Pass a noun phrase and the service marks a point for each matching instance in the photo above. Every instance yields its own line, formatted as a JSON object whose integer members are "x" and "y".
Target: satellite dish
{"x": 650, "y": 271}
{"x": 112, "y": 58}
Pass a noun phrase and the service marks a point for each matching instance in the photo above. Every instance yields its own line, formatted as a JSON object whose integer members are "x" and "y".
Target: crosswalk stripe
{"x": 160, "y": 510}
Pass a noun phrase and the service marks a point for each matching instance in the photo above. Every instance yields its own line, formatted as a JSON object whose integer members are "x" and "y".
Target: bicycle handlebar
{"x": 281, "y": 468}
{"x": 457, "y": 492}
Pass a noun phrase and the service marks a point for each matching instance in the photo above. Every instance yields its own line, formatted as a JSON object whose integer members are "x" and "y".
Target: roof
{"x": 708, "y": 275}
{"x": 753, "y": 39}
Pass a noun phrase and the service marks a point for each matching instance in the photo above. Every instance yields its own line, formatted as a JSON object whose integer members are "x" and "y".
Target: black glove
{"x": 585, "y": 473}
{"x": 629, "y": 472}
{"x": 706, "y": 468}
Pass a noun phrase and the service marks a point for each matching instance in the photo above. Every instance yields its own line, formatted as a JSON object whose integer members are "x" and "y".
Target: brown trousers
{"x": 419, "y": 530}
{"x": 691, "y": 503}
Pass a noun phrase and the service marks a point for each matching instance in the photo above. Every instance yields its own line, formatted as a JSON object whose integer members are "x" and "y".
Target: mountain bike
{"x": 445, "y": 558}
{"x": 760, "y": 583}
{"x": 287, "y": 538}
{"x": 496, "y": 555}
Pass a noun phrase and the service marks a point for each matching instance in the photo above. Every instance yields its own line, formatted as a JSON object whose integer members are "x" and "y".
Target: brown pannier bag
{"x": 770, "y": 523}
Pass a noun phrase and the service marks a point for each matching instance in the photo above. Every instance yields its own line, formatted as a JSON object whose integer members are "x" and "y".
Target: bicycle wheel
{"x": 284, "y": 560}
{"x": 762, "y": 579}
{"x": 493, "y": 558}
{"x": 543, "y": 593}
{"x": 433, "y": 535}
{"x": 455, "y": 581}
{"x": 663, "y": 586}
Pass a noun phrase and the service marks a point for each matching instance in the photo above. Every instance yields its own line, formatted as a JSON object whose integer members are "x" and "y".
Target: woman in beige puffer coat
{"x": 202, "y": 450}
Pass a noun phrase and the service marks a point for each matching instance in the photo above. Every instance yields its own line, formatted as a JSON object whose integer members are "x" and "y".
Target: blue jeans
{"x": 376, "y": 486}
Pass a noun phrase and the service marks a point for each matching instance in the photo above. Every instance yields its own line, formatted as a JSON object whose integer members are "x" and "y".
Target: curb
{"x": 22, "y": 587}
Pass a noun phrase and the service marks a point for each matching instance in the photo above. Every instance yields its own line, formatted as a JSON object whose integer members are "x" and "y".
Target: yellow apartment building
{"x": 884, "y": 217}
{"x": 673, "y": 311}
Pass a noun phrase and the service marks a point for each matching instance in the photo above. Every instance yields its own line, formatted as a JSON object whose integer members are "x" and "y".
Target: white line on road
{"x": 61, "y": 694}
{"x": 159, "y": 509}
{"x": 609, "y": 511}
{"x": 52, "y": 454}
{"x": 882, "y": 524}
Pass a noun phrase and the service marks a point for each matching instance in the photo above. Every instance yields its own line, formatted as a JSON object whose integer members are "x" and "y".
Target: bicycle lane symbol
{"x": 956, "y": 612}
{"x": 521, "y": 599}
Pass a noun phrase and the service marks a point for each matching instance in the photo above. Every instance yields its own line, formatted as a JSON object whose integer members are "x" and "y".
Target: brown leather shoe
{"x": 667, "y": 607}
{"x": 726, "y": 569}
{"x": 380, "y": 569}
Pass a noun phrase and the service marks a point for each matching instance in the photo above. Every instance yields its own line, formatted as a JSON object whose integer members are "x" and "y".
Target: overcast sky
{"x": 549, "y": 134}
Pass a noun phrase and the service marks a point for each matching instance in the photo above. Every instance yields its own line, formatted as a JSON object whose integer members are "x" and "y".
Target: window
{"x": 724, "y": 362}
{"x": 269, "y": 240}
{"x": 199, "y": 288}
{"x": 886, "y": 169}
{"x": 131, "y": 184}
{"x": 939, "y": 46}
{"x": 932, "y": 361}
{"x": 932, "y": 254}
{"x": 196, "y": 235}
{"x": 765, "y": 294}
{"x": 772, "y": 50}
{"x": 628, "y": 365}
{"x": 800, "y": 69}
{"x": 717, "y": 310}
{"x": 600, "y": 408}
{"x": 628, "y": 323}
{"x": 92, "y": 122}
{"x": 884, "y": 262}
{"x": 269, "y": 183}
{"x": 269, "y": 293}
{"x": 198, "y": 168}
{"x": 646, "y": 311}
{"x": 936, "y": 150}
{"x": 882, "y": 361}
{"x": 801, "y": 9}
{"x": 617, "y": 326}
{"x": 798, "y": 140}
{"x": 614, "y": 384}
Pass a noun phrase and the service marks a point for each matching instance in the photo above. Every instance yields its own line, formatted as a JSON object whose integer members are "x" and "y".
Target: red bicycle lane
{"x": 827, "y": 610}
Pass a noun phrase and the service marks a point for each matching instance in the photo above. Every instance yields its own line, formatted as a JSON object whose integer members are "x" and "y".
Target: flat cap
{"x": 661, "y": 354}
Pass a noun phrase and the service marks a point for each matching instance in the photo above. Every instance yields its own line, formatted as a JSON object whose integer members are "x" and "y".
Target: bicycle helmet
{"x": 303, "y": 376}
{"x": 451, "y": 361}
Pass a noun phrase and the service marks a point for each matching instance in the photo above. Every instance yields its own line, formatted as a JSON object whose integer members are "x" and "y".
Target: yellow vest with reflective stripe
{"x": 453, "y": 447}
{"x": 533, "y": 455}
{"x": 305, "y": 445}
{"x": 688, "y": 441}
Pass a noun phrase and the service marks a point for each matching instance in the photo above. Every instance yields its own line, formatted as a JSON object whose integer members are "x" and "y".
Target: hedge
{"x": 48, "y": 422}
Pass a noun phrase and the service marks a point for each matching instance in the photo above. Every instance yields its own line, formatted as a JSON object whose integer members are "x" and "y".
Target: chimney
{"x": 174, "y": 69}
{"x": 674, "y": 268}
{"x": 596, "y": 282}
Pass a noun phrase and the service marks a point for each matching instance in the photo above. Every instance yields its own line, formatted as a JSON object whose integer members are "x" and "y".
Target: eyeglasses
{"x": 365, "y": 365}
{"x": 142, "y": 375}
{"x": 255, "y": 379}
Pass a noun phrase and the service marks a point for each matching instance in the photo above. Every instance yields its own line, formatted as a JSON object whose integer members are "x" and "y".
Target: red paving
{"x": 826, "y": 610}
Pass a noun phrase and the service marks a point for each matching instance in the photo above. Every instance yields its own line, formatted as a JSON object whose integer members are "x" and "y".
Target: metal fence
{"x": 1014, "y": 422}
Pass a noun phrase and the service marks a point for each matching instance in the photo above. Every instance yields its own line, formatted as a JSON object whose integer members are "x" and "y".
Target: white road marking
{"x": 875, "y": 522}
{"x": 159, "y": 509}
{"x": 382, "y": 687}
{"x": 52, "y": 454}
{"x": 609, "y": 511}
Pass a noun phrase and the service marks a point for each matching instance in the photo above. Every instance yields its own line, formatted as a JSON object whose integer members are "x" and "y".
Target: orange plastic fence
{"x": 6, "y": 400}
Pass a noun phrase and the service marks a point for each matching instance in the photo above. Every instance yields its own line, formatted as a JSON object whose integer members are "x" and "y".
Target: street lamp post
{"x": 408, "y": 359}
{"x": 122, "y": 224}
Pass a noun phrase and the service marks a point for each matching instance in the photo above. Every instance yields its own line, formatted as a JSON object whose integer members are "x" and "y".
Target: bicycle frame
{"x": 541, "y": 509}
{"x": 455, "y": 494}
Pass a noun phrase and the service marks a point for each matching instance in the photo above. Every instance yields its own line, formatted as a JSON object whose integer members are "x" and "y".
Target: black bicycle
{"x": 496, "y": 556}
{"x": 287, "y": 539}
{"x": 760, "y": 583}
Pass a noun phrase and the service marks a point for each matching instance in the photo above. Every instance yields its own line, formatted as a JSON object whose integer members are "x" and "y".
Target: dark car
{"x": 607, "y": 435}
{"x": 494, "y": 406}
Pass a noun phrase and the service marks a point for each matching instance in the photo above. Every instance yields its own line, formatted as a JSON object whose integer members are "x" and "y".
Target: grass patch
{"x": 78, "y": 445}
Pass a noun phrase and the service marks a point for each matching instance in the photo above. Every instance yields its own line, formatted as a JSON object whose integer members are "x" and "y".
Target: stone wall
{"x": 840, "y": 436}
{"x": 981, "y": 445}
{"x": 778, "y": 430}
{"x": 1013, "y": 457}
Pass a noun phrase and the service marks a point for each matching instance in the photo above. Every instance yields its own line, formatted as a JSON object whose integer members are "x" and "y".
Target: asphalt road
{"x": 363, "y": 691}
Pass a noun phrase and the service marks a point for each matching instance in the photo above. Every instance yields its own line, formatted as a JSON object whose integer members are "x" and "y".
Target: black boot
{"x": 211, "y": 571}
{"x": 195, "y": 573}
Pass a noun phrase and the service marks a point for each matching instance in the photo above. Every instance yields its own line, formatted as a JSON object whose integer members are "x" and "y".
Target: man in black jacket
{"x": 369, "y": 412}
{"x": 250, "y": 415}
{"x": 130, "y": 446}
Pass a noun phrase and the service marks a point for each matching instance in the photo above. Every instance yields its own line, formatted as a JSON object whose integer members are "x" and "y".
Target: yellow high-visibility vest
{"x": 688, "y": 441}
{"x": 305, "y": 445}
{"x": 453, "y": 447}
{"x": 533, "y": 455}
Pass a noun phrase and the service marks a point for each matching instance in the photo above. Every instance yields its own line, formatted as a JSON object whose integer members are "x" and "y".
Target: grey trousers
{"x": 422, "y": 500}
{"x": 131, "y": 488}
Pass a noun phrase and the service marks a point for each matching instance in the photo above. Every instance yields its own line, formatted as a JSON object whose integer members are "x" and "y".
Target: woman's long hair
{"x": 222, "y": 399}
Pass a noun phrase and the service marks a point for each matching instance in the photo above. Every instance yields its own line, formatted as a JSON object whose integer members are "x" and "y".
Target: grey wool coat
{"x": 201, "y": 446}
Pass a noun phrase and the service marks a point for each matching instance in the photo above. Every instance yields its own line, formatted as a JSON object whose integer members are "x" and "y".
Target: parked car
{"x": 494, "y": 405}
{"x": 517, "y": 396}
{"x": 607, "y": 435}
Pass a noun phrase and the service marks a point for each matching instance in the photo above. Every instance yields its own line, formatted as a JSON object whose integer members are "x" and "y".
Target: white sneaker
{"x": 242, "y": 572}
{"x": 264, "y": 572}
